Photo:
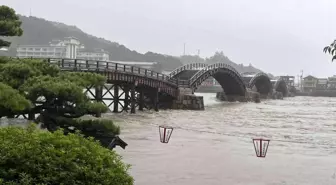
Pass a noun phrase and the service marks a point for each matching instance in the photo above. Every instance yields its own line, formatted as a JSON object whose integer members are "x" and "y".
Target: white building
{"x": 69, "y": 48}
{"x": 56, "y": 49}
{"x": 97, "y": 54}
{"x": 72, "y": 45}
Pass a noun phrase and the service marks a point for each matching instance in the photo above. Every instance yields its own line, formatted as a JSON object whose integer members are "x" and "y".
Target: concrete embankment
{"x": 187, "y": 100}
{"x": 249, "y": 96}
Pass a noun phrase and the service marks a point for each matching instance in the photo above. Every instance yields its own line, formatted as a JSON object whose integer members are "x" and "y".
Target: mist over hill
{"x": 40, "y": 31}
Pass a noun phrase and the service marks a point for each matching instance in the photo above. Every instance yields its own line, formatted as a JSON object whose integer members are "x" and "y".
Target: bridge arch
{"x": 191, "y": 68}
{"x": 227, "y": 76}
{"x": 262, "y": 82}
{"x": 281, "y": 86}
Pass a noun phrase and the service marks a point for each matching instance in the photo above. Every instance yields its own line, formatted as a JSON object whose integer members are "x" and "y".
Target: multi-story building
{"x": 309, "y": 83}
{"x": 289, "y": 80}
{"x": 97, "y": 54}
{"x": 70, "y": 48}
{"x": 332, "y": 82}
{"x": 322, "y": 84}
{"x": 56, "y": 49}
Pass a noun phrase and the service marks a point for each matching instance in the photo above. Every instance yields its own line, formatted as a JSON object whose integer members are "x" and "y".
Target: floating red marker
{"x": 165, "y": 133}
{"x": 261, "y": 146}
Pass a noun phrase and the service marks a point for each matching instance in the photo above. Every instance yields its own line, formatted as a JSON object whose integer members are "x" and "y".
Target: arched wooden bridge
{"x": 144, "y": 88}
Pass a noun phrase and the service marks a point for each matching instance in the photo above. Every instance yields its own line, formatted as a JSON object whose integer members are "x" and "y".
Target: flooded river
{"x": 214, "y": 147}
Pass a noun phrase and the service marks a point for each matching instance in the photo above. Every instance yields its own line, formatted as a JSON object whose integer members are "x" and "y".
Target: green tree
{"x": 62, "y": 156}
{"x": 10, "y": 25}
{"x": 331, "y": 49}
{"x": 32, "y": 156}
{"x": 29, "y": 86}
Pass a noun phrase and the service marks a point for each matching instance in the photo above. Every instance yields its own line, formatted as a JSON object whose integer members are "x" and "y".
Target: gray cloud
{"x": 278, "y": 36}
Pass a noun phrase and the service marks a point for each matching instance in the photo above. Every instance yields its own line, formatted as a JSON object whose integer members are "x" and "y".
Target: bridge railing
{"x": 211, "y": 67}
{"x": 190, "y": 66}
{"x": 92, "y": 65}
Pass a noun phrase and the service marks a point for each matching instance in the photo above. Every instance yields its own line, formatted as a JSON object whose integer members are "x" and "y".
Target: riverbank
{"x": 319, "y": 93}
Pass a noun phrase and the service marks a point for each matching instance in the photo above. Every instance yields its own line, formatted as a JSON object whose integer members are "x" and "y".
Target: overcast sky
{"x": 278, "y": 36}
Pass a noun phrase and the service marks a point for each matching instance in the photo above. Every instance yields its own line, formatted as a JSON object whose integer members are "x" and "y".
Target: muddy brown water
{"x": 214, "y": 147}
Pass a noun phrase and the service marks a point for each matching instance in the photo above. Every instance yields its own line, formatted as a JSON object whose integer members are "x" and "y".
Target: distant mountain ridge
{"x": 40, "y": 31}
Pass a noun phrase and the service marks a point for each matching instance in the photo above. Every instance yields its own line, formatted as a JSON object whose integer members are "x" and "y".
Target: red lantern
{"x": 165, "y": 133}
{"x": 261, "y": 146}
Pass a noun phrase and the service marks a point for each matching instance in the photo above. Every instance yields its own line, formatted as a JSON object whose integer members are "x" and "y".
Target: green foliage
{"x": 103, "y": 126}
{"x": 10, "y": 24}
{"x": 53, "y": 87}
{"x": 58, "y": 96}
{"x": 331, "y": 49}
{"x": 12, "y": 101}
{"x": 31, "y": 156}
{"x": 84, "y": 79}
{"x": 107, "y": 125}
{"x": 96, "y": 107}
{"x": 14, "y": 72}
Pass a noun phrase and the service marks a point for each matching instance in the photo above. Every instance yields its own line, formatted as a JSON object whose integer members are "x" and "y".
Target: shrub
{"x": 31, "y": 156}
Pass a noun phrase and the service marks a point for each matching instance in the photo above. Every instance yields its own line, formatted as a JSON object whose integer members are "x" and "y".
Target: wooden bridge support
{"x": 126, "y": 97}
{"x": 141, "y": 99}
{"x": 155, "y": 99}
{"x": 99, "y": 96}
{"x": 133, "y": 98}
{"x": 116, "y": 99}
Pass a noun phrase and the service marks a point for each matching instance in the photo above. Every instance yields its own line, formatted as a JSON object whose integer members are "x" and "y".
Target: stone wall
{"x": 188, "y": 102}
{"x": 253, "y": 96}
{"x": 184, "y": 91}
{"x": 231, "y": 98}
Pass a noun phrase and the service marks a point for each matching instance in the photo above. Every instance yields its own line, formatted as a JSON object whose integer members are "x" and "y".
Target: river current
{"x": 214, "y": 146}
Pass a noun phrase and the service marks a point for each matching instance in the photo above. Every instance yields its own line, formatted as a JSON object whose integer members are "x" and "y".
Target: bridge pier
{"x": 133, "y": 99}
{"x": 99, "y": 96}
{"x": 141, "y": 99}
{"x": 127, "y": 98}
{"x": 156, "y": 99}
{"x": 115, "y": 99}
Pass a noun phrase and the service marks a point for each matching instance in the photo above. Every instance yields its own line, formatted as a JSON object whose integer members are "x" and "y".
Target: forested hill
{"x": 41, "y": 31}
